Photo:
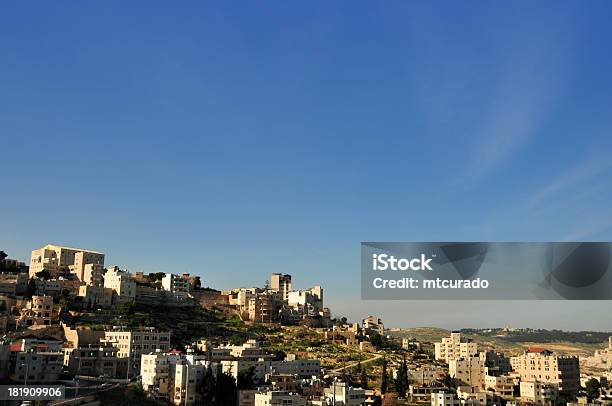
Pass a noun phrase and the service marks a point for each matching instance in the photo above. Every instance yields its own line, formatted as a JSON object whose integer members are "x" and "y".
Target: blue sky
{"x": 235, "y": 140}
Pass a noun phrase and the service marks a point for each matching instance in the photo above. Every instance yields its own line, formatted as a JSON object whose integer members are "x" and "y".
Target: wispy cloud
{"x": 589, "y": 228}
{"x": 574, "y": 178}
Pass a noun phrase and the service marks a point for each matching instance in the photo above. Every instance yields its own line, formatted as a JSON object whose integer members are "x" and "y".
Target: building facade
{"x": 454, "y": 347}
{"x": 539, "y": 364}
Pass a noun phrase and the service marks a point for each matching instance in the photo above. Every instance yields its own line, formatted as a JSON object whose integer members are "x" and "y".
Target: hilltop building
{"x": 373, "y": 325}
{"x": 281, "y": 284}
{"x": 122, "y": 284}
{"x": 56, "y": 258}
{"x": 176, "y": 284}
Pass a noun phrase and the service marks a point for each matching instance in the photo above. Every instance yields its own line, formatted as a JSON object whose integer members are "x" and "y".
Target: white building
{"x": 55, "y": 258}
{"x": 374, "y": 325}
{"x": 342, "y": 394}
{"x": 176, "y": 284}
{"x": 133, "y": 343}
{"x": 540, "y": 393}
{"x": 298, "y": 367}
{"x": 122, "y": 284}
{"x": 279, "y": 398}
{"x": 444, "y": 399}
{"x": 454, "y": 347}
{"x": 174, "y": 376}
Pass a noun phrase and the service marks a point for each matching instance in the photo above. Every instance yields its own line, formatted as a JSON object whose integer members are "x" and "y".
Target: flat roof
{"x": 73, "y": 249}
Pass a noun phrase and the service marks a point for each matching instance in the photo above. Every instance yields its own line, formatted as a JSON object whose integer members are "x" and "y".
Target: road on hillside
{"x": 354, "y": 364}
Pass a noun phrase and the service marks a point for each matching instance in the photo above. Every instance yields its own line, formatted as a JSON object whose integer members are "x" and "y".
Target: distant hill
{"x": 514, "y": 341}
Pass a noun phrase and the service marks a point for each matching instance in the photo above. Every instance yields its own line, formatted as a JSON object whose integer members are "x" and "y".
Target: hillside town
{"x": 111, "y": 336}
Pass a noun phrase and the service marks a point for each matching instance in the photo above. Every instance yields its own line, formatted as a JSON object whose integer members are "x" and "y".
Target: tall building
{"x": 467, "y": 371}
{"x": 133, "y": 343}
{"x": 261, "y": 308}
{"x": 281, "y": 284}
{"x": 539, "y": 364}
{"x": 91, "y": 274}
{"x": 454, "y": 347}
{"x": 55, "y": 258}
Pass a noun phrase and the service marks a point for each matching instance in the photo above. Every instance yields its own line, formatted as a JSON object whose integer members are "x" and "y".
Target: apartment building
{"x": 308, "y": 302}
{"x": 122, "y": 284}
{"x": 427, "y": 375}
{"x": 36, "y": 361}
{"x": 444, "y": 399}
{"x": 495, "y": 363}
{"x": 468, "y": 371}
{"x": 188, "y": 376}
{"x": 297, "y": 367}
{"x": 56, "y": 258}
{"x": 373, "y": 325}
{"x": 261, "y": 308}
{"x": 281, "y": 284}
{"x": 13, "y": 283}
{"x": 279, "y": 398}
{"x": 155, "y": 371}
{"x": 539, "y": 364}
{"x": 91, "y": 274}
{"x": 38, "y": 312}
{"x": 132, "y": 344}
{"x": 454, "y": 347}
{"x": 342, "y": 394}
{"x": 175, "y": 376}
{"x": 176, "y": 284}
{"x": 98, "y": 361}
{"x": 502, "y": 386}
{"x": 539, "y": 393}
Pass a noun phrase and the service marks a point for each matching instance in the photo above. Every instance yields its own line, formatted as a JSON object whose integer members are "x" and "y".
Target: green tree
{"x": 43, "y": 274}
{"x": 237, "y": 339}
{"x": 449, "y": 382}
{"x": 279, "y": 355}
{"x": 592, "y": 389}
{"x": 401, "y": 382}
{"x": 246, "y": 378}
{"x": 383, "y": 383}
{"x": 207, "y": 389}
{"x": 364, "y": 378}
{"x": 225, "y": 390}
